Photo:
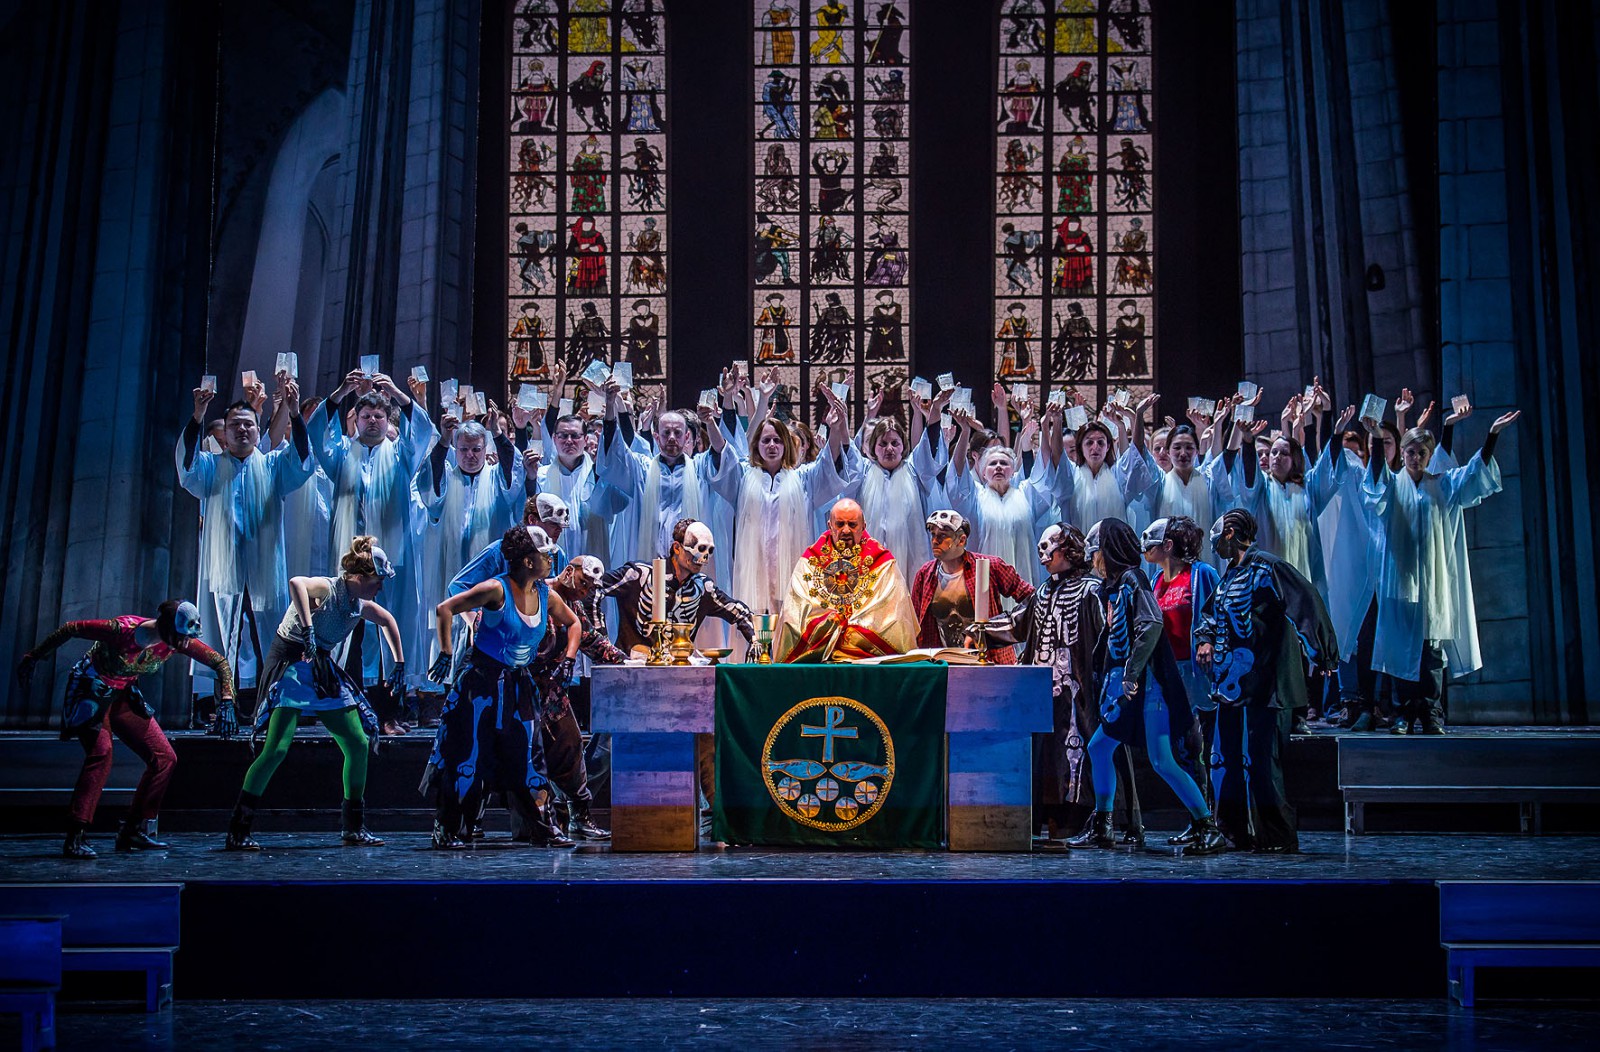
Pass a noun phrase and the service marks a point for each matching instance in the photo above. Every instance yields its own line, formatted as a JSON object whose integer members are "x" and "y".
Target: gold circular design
{"x": 794, "y": 809}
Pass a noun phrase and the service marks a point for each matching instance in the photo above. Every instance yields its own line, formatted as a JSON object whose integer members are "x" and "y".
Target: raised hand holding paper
{"x": 597, "y": 403}
{"x": 1460, "y": 404}
{"x": 250, "y": 378}
{"x": 947, "y": 381}
{"x": 841, "y": 391}
{"x": 526, "y": 395}
{"x": 1372, "y": 407}
{"x": 564, "y": 407}
{"x": 479, "y": 405}
{"x": 922, "y": 389}
{"x": 1247, "y": 390}
{"x": 1058, "y": 398}
{"x": 622, "y": 373}
{"x": 1245, "y": 414}
{"x": 1076, "y": 417}
{"x": 419, "y": 373}
{"x": 596, "y": 374}
{"x": 208, "y": 383}
{"x": 369, "y": 365}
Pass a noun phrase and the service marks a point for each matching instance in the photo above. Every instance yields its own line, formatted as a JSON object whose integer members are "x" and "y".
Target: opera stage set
{"x": 887, "y": 214}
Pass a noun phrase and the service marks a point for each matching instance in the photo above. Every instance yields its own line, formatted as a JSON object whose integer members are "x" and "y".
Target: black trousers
{"x": 1423, "y": 698}
{"x": 1248, "y": 760}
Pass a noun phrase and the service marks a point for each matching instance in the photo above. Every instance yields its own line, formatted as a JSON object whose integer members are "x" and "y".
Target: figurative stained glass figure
{"x": 827, "y": 45}
{"x": 886, "y": 47}
{"x": 1018, "y": 247}
{"x": 1074, "y": 252}
{"x": 536, "y": 258}
{"x": 1075, "y": 35}
{"x": 590, "y": 30}
{"x": 830, "y": 260}
{"x": 1020, "y": 113}
{"x": 590, "y": 102}
{"x": 883, "y": 180}
{"x": 774, "y": 322}
{"x": 1017, "y": 186}
{"x": 1124, "y": 16}
{"x": 648, "y": 270}
{"x": 530, "y": 185}
{"x": 1131, "y": 175}
{"x": 888, "y": 263}
{"x": 777, "y": 46}
{"x": 830, "y": 166}
{"x": 1127, "y": 83}
{"x": 1072, "y": 350}
{"x": 538, "y": 28}
{"x": 1133, "y": 273}
{"x": 773, "y": 241}
{"x": 1075, "y": 98}
{"x": 1025, "y": 29}
{"x": 832, "y": 117}
{"x": 832, "y": 333}
{"x": 645, "y": 189}
{"x": 537, "y": 94}
{"x": 642, "y": 24}
{"x": 1014, "y": 334}
{"x": 589, "y": 339}
{"x": 586, "y": 258}
{"x": 1074, "y": 184}
{"x": 888, "y": 119}
{"x": 778, "y": 190}
{"x": 640, "y": 84}
{"x": 588, "y": 178}
{"x": 641, "y": 344}
{"x": 777, "y": 105}
{"x": 884, "y": 339}
{"x": 1127, "y": 343}
{"x": 530, "y": 332}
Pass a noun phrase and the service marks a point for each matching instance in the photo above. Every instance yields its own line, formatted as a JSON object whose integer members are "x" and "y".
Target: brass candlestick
{"x": 682, "y": 642}
{"x": 980, "y": 643}
{"x": 658, "y": 643}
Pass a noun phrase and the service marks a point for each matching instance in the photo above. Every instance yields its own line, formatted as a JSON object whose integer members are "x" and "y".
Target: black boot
{"x": 355, "y": 825}
{"x": 543, "y": 831}
{"x": 133, "y": 837}
{"x": 582, "y": 827}
{"x": 1208, "y": 838}
{"x": 444, "y": 839}
{"x": 1096, "y": 832}
{"x": 244, "y": 815}
{"x": 1133, "y": 836}
{"x": 1188, "y": 836}
{"x": 77, "y": 843}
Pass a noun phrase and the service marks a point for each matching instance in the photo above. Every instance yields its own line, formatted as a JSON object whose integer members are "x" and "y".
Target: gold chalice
{"x": 764, "y": 627}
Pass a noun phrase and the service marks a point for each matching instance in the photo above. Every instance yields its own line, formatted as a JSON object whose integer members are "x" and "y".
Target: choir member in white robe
{"x": 1183, "y": 487}
{"x": 1286, "y": 500}
{"x": 892, "y": 489}
{"x": 305, "y": 515}
{"x": 242, "y": 565}
{"x": 1002, "y": 508}
{"x": 373, "y": 479}
{"x": 569, "y": 472}
{"x": 1426, "y": 617}
{"x": 1101, "y": 485}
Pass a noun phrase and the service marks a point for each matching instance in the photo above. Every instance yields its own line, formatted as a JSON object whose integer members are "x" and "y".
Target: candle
{"x": 658, "y": 590}
{"x": 980, "y": 600}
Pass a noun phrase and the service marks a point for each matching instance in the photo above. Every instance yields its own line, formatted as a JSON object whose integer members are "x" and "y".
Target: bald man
{"x": 847, "y": 598}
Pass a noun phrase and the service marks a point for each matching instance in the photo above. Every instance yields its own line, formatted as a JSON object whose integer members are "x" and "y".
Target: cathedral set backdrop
{"x": 830, "y": 261}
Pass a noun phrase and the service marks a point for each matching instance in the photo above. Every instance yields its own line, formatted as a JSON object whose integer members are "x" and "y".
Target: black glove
{"x": 25, "y": 671}
{"x": 563, "y": 671}
{"x": 439, "y": 671}
{"x": 323, "y": 676}
{"x": 227, "y": 721}
{"x": 397, "y": 679}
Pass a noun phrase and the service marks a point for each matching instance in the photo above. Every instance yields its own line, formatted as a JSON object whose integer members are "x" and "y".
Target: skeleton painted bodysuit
{"x": 689, "y": 601}
{"x": 1256, "y": 659}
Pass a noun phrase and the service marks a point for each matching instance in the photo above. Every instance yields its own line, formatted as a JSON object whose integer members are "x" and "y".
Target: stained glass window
{"x": 831, "y": 273}
{"x": 587, "y": 231}
{"x": 1074, "y": 284}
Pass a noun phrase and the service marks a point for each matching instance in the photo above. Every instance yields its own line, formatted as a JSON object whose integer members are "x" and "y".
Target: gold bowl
{"x": 715, "y": 654}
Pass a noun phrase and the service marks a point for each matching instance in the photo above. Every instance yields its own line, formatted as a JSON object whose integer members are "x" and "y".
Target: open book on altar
{"x": 949, "y": 655}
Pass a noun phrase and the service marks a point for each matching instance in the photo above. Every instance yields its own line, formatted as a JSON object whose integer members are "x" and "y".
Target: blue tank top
{"x": 506, "y": 635}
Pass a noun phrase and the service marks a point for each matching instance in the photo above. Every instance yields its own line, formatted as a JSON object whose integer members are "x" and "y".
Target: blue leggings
{"x": 1158, "y": 745}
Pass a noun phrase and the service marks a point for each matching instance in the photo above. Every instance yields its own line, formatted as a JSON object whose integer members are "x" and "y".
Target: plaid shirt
{"x": 1003, "y": 581}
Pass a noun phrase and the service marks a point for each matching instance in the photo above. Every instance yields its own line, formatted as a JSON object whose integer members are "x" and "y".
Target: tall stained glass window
{"x": 587, "y": 229}
{"x": 1073, "y": 281}
{"x": 831, "y": 271}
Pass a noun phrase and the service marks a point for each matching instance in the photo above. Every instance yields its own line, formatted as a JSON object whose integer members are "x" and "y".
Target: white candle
{"x": 980, "y": 600}
{"x": 658, "y": 590}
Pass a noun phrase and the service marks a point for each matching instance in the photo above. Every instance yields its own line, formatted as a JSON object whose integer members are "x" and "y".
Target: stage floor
{"x": 407, "y": 857}
{"x": 834, "y": 1023}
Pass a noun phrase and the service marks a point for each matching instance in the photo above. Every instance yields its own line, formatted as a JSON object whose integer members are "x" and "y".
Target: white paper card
{"x": 961, "y": 397}
{"x": 1245, "y": 414}
{"x": 708, "y": 397}
{"x": 1111, "y": 425}
{"x": 1460, "y": 404}
{"x": 841, "y": 391}
{"x": 287, "y": 364}
{"x": 1311, "y": 392}
{"x": 250, "y": 378}
{"x": 465, "y": 397}
{"x": 479, "y": 405}
{"x": 597, "y": 403}
{"x": 946, "y": 420}
{"x": 1076, "y": 417}
{"x": 1247, "y": 390}
{"x": 541, "y": 401}
{"x": 622, "y": 373}
{"x": 921, "y": 388}
{"x": 419, "y": 373}
{"x": 208, "y": 383}
{"x": 526, "y": 394}
{"x": 1122, "y": 396}
{"x": 1207, "y": 407}
{"x": 596, "y": 373}
{"x": 447, "y": 395}
{"x": 1020, "y": 392}
{"x": 564, "y": 407}
{"x": 369, "y": 365}
{"x": 947, "y": 381}
{"x": 1058, "y": 398}
{"x": 1372, "y": 407}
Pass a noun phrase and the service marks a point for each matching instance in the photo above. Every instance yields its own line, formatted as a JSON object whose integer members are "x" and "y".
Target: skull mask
{"x": 541, "y": 540}
{"x": 552, "y": 508}
{"x": 178, "y": 622}
{"x": 699, "y": 545}
{"x": 1049, "y": 541}
{"x": 590, "y": 570}
{"x": 1225, "y": 547}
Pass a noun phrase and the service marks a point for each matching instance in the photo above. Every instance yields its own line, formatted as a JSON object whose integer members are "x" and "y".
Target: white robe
{"x": 461, "y": 519}
{"x": 1087, "y": 496}
{"x": 1003, "y": 524}
{"x": 1287, "y": 514}
{"x": 1352, "y": 550}
{"x": 774, "y": 511}
{"x": 658, "y": 493}
{"x": 1425, "y": 586}
{"x": 594, "y": 506}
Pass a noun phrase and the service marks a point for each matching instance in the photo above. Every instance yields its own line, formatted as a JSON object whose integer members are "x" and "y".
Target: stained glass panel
{"x": 832, "y": 164}
{"x": 1074, "y": 282}
{"x": 587, "y": 235}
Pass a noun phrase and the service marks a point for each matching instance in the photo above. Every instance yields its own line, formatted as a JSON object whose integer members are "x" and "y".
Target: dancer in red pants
{"x": 103, "y": 699}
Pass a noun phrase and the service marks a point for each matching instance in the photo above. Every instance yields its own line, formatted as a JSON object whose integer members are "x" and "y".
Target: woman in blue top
{"x": 487, "y": 741}
{"x": 1182, "y": 585}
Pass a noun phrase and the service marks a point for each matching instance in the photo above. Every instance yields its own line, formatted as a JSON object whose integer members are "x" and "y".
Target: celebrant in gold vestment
{"x": 847, "y": 598}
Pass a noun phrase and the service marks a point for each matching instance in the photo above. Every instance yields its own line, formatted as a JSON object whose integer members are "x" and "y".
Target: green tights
{"x": 344, "y": 725}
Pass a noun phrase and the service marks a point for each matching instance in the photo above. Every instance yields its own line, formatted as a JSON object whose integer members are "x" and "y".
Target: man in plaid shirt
{"x": 942, "y": 592}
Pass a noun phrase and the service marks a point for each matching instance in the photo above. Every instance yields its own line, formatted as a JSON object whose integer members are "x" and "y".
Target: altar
{"x": 653, "y": 714}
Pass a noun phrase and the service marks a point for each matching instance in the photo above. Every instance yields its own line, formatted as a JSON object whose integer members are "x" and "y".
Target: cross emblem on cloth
{"x": 829, "y": 731}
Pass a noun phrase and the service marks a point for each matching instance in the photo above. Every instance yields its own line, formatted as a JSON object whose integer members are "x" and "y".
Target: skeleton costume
{"x": 1057, "y": 627}
{"x": 1258, "y": 675}
{"x": 689, "y": 601}
{"x": 103, "y": 698}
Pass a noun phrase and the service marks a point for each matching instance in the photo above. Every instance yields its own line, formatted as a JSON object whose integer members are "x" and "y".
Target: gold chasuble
{"x": 845, "y": 604}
